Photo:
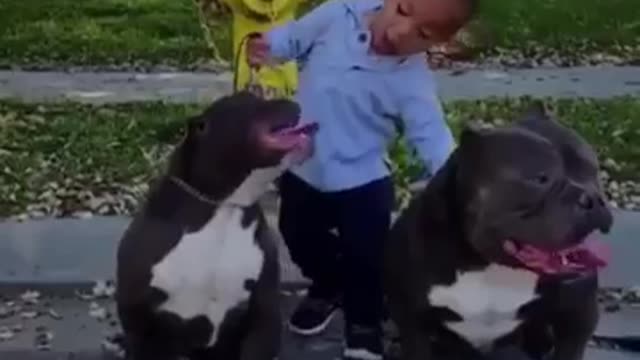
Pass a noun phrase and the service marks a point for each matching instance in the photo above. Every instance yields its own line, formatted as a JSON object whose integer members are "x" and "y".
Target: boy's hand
{"x": 257, "y": 50}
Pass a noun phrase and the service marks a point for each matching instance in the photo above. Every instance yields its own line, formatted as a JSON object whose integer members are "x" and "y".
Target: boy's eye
{"x": 402, "y": 11}
{"x": 424, "y": 34}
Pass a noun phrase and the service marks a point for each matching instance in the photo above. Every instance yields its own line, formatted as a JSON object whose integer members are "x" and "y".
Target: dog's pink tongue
{"x": 292, "y": 137}
{"x": 591, "y": 254}
{"x": 302, "y": 129}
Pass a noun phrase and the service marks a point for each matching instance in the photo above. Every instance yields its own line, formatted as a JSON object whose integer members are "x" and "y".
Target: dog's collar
{"x": 200, "y": 196}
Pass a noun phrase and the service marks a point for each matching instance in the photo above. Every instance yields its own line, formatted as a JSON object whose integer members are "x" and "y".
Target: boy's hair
{"x": 470, "y": 8}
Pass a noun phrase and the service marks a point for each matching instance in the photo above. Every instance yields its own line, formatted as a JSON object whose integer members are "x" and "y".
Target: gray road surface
{"x": 78, "y": 335}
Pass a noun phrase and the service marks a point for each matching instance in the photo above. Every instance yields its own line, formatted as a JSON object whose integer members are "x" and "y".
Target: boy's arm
{"x": 425, "y": 125}
{"x": 293, "y": 39}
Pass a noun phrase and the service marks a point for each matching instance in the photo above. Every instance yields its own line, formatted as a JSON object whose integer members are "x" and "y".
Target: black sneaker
{"x": 363, "y": 343}
{"x": 313, "y": 315}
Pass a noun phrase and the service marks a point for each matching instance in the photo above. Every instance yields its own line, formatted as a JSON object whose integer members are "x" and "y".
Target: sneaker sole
{"x": 315, "y": 330}
{"x": 360, "y": 354}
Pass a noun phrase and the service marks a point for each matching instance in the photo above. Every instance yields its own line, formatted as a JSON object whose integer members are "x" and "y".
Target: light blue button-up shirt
{"x": 356, "y": 96}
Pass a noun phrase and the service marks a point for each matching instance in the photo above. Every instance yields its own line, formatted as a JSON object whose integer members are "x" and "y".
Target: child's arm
{"x": 425, "y": 125}
{"x": 293, "y": 39}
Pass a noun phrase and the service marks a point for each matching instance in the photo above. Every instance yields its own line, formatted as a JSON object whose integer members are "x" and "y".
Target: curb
{"x": 29, "y": 254}
{"x": 604, "y": 81}
{"x": 70, "y": 254}
{"x": 66, "y": 255}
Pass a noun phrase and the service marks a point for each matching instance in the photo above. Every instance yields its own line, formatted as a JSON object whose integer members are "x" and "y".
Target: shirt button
{"x": 362, "y": 37}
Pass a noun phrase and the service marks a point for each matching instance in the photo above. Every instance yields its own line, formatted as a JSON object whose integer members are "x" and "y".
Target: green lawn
{"x": 567, "y": 26}
{"x": 63, "y": 153}
{"x": 89, "y": 32}
{"x": 98, "y": 32}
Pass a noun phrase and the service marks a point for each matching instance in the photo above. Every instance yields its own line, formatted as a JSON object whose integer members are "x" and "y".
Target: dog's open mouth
{"x": 289, "y": 136}
{"x": 587, "y": 256}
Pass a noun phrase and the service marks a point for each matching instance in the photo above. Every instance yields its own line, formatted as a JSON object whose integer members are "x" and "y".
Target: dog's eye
{"x": 541, "y": 179}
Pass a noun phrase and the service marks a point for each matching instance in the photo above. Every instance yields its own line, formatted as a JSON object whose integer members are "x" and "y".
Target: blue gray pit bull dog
{"x": 495, "y": 258}
{"x": 197, "y": 272}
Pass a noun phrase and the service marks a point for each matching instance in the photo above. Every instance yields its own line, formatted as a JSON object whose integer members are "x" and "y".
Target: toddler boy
{"x": 362, "y": 68}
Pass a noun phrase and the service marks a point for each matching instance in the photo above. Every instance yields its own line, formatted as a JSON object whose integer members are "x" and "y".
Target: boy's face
{"x": 405, "y": 27}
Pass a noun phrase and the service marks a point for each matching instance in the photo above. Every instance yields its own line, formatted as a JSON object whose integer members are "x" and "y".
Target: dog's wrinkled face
{"x": 242, "y": 141}
{"x": 532, "y": 195}
{"x": 259, "y": 133}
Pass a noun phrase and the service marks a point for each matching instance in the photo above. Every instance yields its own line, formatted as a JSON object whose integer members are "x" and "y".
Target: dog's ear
{"x": 437, "y": 195}
{"x": 436, "y": 222}
{"x": 196, "y": 125}
{"x": 180, "y": 160}
{"x": 537, "y": 111}
{"x": 472, "y": 132}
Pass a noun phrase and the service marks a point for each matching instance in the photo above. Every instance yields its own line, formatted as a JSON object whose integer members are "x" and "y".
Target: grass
{"x": 90, "y": 32}
{"x": 151, "y": 32}
{"x": 63, "y": 154}
{"x": 564, "y": 26}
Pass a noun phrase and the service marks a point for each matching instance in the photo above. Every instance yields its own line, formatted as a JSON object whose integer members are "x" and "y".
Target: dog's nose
{"x": 594, "y": 205}
{"x": 605, "y": 220}
{"x": 589, "y": 200}
{"x": 586, "y": 201}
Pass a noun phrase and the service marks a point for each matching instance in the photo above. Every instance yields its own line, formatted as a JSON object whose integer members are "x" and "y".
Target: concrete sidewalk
{"x": 184, "y": 87}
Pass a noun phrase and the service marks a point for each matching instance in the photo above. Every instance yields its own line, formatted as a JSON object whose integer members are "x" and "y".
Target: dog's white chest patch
{"x": 205, "y": 273}
{"x": 487, "y": 301}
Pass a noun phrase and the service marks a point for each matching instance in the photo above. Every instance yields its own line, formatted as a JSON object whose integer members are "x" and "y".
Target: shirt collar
{"x": 368, "y": 5}
{"x": 359, "y": 8}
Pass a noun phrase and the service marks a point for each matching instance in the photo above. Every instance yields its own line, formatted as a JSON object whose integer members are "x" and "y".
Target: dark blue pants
{"x": 336, "y": 238}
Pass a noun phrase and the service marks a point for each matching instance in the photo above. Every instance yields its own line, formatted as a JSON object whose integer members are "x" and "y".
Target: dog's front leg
{"x": 415, "y": 346}
{"x": 510, "y": 353}
{"x": 574, "y": 324}
{"x": 262, "y": 341}
{"x": 261, "y": 344}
